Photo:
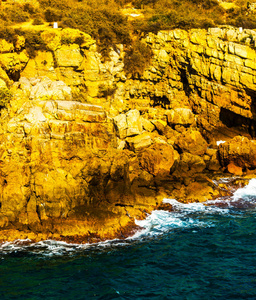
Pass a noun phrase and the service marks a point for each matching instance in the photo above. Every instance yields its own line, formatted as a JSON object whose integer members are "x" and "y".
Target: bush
{"x": 33, "y": 42}
{"x": 105, "y": 24}
{"x": 38, "y": 20}
{"x": 80, "y": 94}
{"x": 137, "y": 58}
{"x": 15, "y": 14}
{"x": 8, "y": 34}
{"x": 106, "y": 90}
{"x": 53, "y": 14}
{"x": 5, "y": 97}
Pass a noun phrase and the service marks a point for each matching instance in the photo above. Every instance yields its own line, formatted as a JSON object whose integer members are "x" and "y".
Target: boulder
{"x": 69, "y": 56}
{"x": 147, "y": 125}
{"x": 134, "y": 124}
{"x": 157, "y": 159}
{"x": 189, "y": 164}
{"x": 180, "y": 116}
{"x": 139, "y": 142}
{"x": 160, "y": 125}
{"x": 191, "y": 141}
{"x": 121, "y": 125}
{"x": 213, "y": 163}
{"x": 240, "y": 151}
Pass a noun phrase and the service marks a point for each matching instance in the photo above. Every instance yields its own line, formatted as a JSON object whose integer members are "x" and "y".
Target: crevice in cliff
{"x": 13, "y": 75}
{"x": 252, "y": 94}
{"x": 123, "y": 205}
{"x": 55, "y": 62}
{"x": 163, "y": 101}
{"x": 184, "y": 80}
{"x": 237, "y": 122}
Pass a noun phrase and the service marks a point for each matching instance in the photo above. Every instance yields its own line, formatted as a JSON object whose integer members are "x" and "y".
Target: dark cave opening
{"x": 163, "y": 101}
{"x": 237, "y": 122}
{"x": 185, "y": 82}
{"x": 14, "y": 75}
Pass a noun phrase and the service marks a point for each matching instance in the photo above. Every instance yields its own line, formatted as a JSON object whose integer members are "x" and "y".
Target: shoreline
{"x": 229, "y": 184}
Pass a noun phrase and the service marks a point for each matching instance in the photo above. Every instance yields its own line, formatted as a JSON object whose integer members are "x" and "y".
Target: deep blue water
{"x": 196, "y": 252}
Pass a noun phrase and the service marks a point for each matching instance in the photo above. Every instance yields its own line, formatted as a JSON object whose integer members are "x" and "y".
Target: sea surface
{"x": 196, "y": 252}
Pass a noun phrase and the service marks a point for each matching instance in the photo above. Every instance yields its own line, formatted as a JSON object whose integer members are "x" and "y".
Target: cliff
{"x": 86, "y": 148}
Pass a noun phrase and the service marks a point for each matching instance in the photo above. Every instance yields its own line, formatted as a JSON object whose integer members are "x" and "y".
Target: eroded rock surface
{"x": 85, "y": 148}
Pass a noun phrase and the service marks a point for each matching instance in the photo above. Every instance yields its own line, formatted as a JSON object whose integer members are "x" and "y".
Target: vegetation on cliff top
{"x": 106, "y": 21}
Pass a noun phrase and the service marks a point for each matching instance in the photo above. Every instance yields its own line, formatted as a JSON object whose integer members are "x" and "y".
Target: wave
{"x": 192, "y": 215}
{"x": 159, "y": 222}
{"x": 248, "y": 193}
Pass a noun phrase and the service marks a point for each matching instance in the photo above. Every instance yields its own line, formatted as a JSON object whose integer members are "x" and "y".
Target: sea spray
{"x": 248, "y": 192}
{"x": 158, "y": 223}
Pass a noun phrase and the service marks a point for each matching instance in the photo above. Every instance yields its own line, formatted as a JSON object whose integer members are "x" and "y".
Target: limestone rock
{"x": 5, "y": 46}
{"x": 139, "y": 142}
{"x": 35, "y": 115}
{"x": 192, "y": 141}
{"x": 2, "y": 83}
{"x": 69, "y": 56}
{"x": 121, "y": 125}
{"x": 147, "y": 125}
{"x": 134, "y": 125}
{"x": 42, "y": 88}
{"x": 72, "y": 168}
{"x": 213, "y": 163}
{"x": 52, "y": 39}
{"x": 180, "y": 116}
{"x": 233, "y": 169}
{"x": 157, "y": 159}
{"x": 189, "y": 164}
{"x": 41, "y": 65}
{"x": 240, "y": 151}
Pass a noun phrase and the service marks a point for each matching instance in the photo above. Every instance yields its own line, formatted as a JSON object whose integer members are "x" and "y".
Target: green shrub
{"x": 8, "y": 34}
{"x": 15, "y": 14}
{"x": 105, "y": 24}
{"x": 38, "y": 20}
{"x": 5, "y": 97}
{"x": 106, "y": 90}
{"x": 33, "y": 42}
{"x": 137, "y": 58}
{"x": 80, "y": 94}
{"x": 31, "y": 9}
{"x": 53, "y": 14}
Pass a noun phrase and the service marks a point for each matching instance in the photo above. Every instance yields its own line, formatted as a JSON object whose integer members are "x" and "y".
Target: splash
{"x": 191, "y": 216}
{"x": 248, "y": 193}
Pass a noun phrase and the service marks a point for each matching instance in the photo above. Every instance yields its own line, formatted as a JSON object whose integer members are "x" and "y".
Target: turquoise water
{"x": 195, "y": 252}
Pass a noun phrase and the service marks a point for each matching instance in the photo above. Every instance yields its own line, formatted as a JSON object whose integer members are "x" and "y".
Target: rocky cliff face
{"x": 85, "y": 148}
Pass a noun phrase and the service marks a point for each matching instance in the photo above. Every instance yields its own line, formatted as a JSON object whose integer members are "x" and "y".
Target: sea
{"x": 197, "y": 251}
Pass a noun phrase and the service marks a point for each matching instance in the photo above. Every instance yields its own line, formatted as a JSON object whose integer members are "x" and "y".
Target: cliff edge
{"x": 86, "y": 148}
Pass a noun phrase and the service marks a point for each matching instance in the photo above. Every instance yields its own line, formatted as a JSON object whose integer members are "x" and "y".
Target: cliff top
{"x": 113, "y": 21}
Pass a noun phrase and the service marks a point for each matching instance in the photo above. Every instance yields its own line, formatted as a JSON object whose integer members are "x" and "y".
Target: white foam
{"x": 157, "y": 223}
{"x": 247, "y": 191}
{"x": 160, "y": 221}
{"x": 187, "y": 208}
{"x": 220, "y": 142}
